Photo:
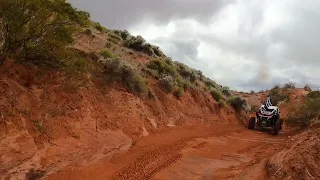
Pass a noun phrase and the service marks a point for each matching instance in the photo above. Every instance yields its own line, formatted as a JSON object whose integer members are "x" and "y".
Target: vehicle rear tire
{"x": 252, "y": 123}
{"x": 276, "y": 127}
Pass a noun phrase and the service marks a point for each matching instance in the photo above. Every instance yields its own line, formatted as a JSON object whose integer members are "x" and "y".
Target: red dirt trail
{"x": 202, "y": 152}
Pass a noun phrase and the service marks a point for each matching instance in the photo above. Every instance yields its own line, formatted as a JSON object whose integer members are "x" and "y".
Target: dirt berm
{"x": 300, "y": 159}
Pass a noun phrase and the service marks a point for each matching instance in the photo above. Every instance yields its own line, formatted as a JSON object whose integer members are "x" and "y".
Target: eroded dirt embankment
{"x": 49, "y": 121}
{"x": 300, "y": 159}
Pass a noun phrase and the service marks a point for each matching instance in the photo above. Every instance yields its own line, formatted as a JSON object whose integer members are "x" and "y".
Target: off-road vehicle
{"x": 267, "y": 116}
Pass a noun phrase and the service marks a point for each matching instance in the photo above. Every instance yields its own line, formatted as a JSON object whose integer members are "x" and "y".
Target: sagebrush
{"x": 119, "y": 70}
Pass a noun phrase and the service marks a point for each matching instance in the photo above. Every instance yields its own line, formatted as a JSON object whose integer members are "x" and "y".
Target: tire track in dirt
{"x": 151, "y": 162}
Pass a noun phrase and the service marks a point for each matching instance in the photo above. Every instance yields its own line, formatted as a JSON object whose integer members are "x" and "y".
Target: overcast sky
{"x": 244, "y": 44}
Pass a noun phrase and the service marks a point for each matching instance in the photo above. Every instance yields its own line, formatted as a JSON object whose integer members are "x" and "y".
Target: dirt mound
{"x": 300, "y": 158}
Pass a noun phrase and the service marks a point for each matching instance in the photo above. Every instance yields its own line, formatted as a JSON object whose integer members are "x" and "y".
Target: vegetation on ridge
{"x": 303, "y": 114}
{"x": 41, "y": 32}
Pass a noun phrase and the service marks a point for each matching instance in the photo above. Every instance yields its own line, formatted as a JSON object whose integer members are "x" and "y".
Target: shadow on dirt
{"x": 269, "y": 131}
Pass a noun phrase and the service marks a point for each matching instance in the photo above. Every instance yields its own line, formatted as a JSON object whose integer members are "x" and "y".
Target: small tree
{"x": 37, "y": 29}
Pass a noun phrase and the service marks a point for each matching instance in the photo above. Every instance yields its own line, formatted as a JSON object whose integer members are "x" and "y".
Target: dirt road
{"x": 202, "y": 152}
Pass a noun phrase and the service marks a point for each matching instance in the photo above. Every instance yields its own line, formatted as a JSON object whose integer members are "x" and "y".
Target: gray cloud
{"x": 244, "y": 44}
{"x": 122, "y": 14}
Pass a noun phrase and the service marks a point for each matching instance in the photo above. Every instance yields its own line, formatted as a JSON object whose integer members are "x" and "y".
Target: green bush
{"x": 167, "y": 83}
{"x": 301, "y": 115}
{"x": 163, "y": 67}
{"x": 314, "y": 95}
{"x": 222, "y": 103}
{"x": 210, "y": 83}
{"x": 88, "y": 32}
{"x": 186, "y": 85}
{"x": 183, "y": 70}
{"x": 135, "y": 43}
{"x": 148, "y": 50}
{"x": 123, "y": 34}
{"x": 139, "y": 44}
{"x": 157, "y": 51}
{"x": 226, "y": 91}
{"x": 119, "y": 70}
{"x": 38, "y": 31}
{"x": 73, "y": 60}
{"x": 217, "y": 95}
{"x": 98, "y": 27}
{"x": 237, "y": 103}
{"x": 106, "y": 53}
{"x": 279, "y": 95}
{"x": 114, "y": 36}
{"x": 179, "y": 92}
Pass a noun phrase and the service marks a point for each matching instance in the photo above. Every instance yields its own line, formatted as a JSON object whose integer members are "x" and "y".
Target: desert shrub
{"x": 252, "y": 92}
{"x": 301, "y": 115}
{"x": 186, "y": 85}
{"x": 114, "y": 41}
{"x": 167, "y": 83}
{"x": 186, "y": 72}
{"x": 279, "y": 95}
{"x": 200, "y": 75}
{"x": 123, "y": 34}
{"x": 217, "y": 95}
{"x": 313, "y": 95}
{"x": 226, "y": 91}
{"x": 71, "y": 60}
{"x": 106, "y": 53}
{"x": 119, "y": 70}
{"x": 163, "y": 67}
{"x": 307, "y": 88}
{"x": 114, "y": 36}
{"x": 222, "y": 103}
{"x": 169, "y": 61}
{"x": 138, "y": 43}
{"x": 38, "y": 31}
{"x": 237, "y": 103}
{"x": 289, "y": 85}
{"x": 88, "y": 32}
{"x": 148, "y": 49}
{"x": 157, "y": 51}
{"x": 179, "y": 92}
{"x": 183, "y": 70}
{"x": 98, "y": 27}
{"x": 210, "y": 83}
{"x": 135, "y": 43}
